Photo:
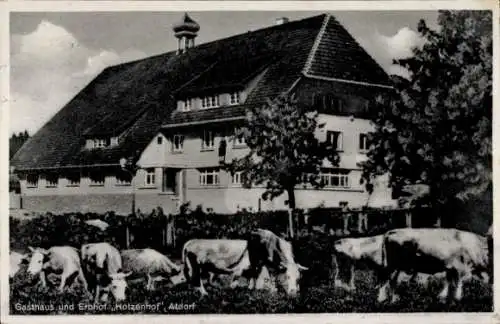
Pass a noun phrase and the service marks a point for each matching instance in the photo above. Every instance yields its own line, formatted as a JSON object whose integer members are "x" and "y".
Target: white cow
{"x": 63, "y": 260}
{"x": 16, "y": 259}
{"x": 103, "y": 267}
{"x": 351, "y": 253}
{"x": 149, "y": 264}
{"x": 462, "y": 255}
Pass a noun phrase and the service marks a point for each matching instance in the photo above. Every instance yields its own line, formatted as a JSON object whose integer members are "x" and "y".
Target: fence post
{"x": 408, "y": 218}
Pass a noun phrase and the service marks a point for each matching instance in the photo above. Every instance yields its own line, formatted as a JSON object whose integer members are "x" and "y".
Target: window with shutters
{"x": 207, "y": 141}
{"x": 236, "y": 178}
{"x": 335, "y": 138}
{"x": 363, "y": 142}
{"x": 51, "y": 180}
{"x": 234, "y": 98}
{"x": 210, "y": 101}
{"x": 32, "y": 180}
{"x": 178, "y": 143}
{"x": 97, "y": 178}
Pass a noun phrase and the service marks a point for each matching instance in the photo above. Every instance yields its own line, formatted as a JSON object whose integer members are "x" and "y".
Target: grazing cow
{"x": 63, "y": 260}
{"x": 267, "y": 249}
{"x": 150, "y": 264}
{"x": 461, "y": 255}
{"x": 351, "y": 252}
{"x": 103, "y": 267}
{"x": 211, "y": 258}
{"x": 16, "y": 259}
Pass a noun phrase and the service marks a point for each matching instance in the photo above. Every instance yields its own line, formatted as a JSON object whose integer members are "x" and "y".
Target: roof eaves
{"x": 368, "y": 84}
{"x": 202, "y": 122}
{"x": 317, "y": 41}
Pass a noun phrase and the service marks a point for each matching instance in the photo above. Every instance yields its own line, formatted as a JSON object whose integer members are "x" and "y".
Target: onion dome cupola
{"x": 186, "y": 31}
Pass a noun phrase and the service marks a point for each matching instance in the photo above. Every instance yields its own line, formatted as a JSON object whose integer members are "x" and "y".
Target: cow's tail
{"x": 187, "y": 261}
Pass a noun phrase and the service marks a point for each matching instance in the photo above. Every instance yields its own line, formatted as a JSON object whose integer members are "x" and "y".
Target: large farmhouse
{"x": 169, "y": 113}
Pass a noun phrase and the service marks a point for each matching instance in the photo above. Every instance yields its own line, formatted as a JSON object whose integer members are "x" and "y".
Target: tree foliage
{"x": 284, "y": 149}
{"x": 437, "y": 129}
{"x": 16, "y": 141}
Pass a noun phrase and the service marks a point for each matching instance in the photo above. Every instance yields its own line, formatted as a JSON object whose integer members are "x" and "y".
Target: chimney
{"x": 282, "y": 20}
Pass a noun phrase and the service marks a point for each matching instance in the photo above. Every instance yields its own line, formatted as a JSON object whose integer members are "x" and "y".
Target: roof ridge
{"x": 316, "y": 43}
{"x": 293, "y": 22}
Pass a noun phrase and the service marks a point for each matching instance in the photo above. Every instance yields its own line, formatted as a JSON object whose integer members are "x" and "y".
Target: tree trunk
{"x": 291, "y": 209}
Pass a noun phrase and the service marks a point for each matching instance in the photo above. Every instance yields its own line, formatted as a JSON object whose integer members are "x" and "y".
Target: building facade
{"x": 169, "y": 115}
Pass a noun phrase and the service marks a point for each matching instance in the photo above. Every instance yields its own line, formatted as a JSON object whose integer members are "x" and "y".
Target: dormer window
{"x": 187, "y": 105}
{"x": 210, "y": 101}
{"x": 234, "y": 98}
{"x": 99, "y": 143}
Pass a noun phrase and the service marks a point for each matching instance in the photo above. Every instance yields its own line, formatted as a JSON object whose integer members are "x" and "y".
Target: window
{"x": 234, "y": 98}
{"x": 209, "y": 177}
{"x": 100, "y": 143}
{"x": 32, "y": 180}
{"x": 97, "y": 179}
{"x": 236, "y": 179}
{"x": 178, "y": 143}
{"x": 335, "y": 179}
{"x": 123, "y": 181}
{"x": 363, "y": 142}
{"x": 334, "y": 138}
{"x": 327, "y": 102}
{"x": 74, "y": 180}
{"x": 187, "y": 105}
{"x": 239, "y": 138}
{"x": 150, "y": 177}
{"x": 51, "y": 180}
{"x": 207, "y": 140}
{"x": 159, "y": 140}
{"x": 210, "y": 101}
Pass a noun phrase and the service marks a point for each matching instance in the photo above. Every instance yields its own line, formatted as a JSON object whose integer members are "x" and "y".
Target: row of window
{"x": 336, "y": 139}
{"x": 211, "y": 101}
{"x": 330, "y": 179}
{"x": 207, "y": 141}
{"x": 207, "y": 177}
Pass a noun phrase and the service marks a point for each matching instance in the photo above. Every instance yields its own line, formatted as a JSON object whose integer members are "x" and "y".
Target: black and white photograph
{"x": 187, "y": 162}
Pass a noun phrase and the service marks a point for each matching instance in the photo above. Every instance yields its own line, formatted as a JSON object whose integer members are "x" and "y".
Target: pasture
{"x": 182, "y": 300}
{"x": 311, "y": 249}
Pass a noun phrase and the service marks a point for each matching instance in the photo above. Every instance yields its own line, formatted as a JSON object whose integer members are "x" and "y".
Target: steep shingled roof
{"x": 134, "y": 99}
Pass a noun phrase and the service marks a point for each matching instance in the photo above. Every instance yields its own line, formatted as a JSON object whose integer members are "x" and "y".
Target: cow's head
{"x": 290, "y": 275}
{"x": 178, "y": 278}
{"x": 38, "y": 258}
{"x": 118, "y": 285}
{"x": 342, "y": 246}
{"x": 289, "y": 269}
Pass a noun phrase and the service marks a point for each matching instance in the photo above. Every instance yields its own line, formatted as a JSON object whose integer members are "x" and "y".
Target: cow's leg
{"x": 43, "y": 279}
{"x": 450, "y": 279}
{"x": 393, "y": 282}
{"x": 351, "y": 280}
{"x": 459, "y": 289}
{"x": 149, "y": 284}
{"x": 383, "y": 292}
{"x": 386, "y": 289}
{"x": 83, "y": 281}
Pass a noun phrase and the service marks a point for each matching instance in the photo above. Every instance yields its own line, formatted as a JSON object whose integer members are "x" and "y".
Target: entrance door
{"x": 169, "y": 183}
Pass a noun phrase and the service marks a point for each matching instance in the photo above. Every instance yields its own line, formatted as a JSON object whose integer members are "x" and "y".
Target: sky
{"x": 54, "y": 55}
